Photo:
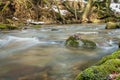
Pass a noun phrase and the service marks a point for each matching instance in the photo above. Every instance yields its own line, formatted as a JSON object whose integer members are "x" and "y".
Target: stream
{"x": 40, "y": 54}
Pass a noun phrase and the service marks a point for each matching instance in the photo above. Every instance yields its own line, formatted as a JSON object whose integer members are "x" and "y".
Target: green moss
{"x": 75, "y": 42}
{"x": 110, "y": 19}
{"x": 72, "y": 42}
{"x": 112, "y": 25}
{"x": 7, "y": 27}
{"x": 104, "y": 67}
{"x": 36, "y": 26}
{"x": 115, "y": 55}
{"x": 0, "y": 2}
{"x": 2, "y": 26}
{"x": 100, "y": 72}
{"x": 118, "y": 78}
{"x": 88, "y": 44}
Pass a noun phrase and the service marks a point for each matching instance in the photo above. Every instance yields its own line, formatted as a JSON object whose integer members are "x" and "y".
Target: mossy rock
{"x": 7, "y": 27}
{"x": 118, "y": 78}
{"x": 72, "y": 42}
{"x": 88, "y": 44}
{"x": 100, "y": 72}
{"x": 104, "y": 67}
{"x": 36, "y": 26}
{"x": 2, "y": 26}
{"x": 115, "y": 55}
{"x": 76, "y": 42}
{"x": 112, "y": 25}
{"x": 112, "y": 19}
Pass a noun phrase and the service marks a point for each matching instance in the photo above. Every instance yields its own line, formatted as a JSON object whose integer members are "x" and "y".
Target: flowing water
{"x": 40, "y": 54}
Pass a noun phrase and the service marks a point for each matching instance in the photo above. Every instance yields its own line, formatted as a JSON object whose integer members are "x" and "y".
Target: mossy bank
{"x": 105, "y": 67}
{"x": 57, "y": 11}
{"x": 113, "y": 25}
{"x": 7, "y": 27}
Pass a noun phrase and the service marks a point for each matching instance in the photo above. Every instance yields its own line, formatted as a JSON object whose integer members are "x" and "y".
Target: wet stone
{"x": 54, "y": 29}
{"x": 76, "y": 41}
{"x": 112, "y": 25}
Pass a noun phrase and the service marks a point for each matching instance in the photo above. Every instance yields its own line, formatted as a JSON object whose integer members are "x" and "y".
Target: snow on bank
{"x": 30, "y": 21}
{"x": 62, "y": 12}
{"x": 115, "y": 7}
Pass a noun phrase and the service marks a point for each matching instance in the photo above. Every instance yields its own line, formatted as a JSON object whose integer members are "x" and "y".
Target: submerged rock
{"x": 54, "y": 29}
{"x": 76, "y": 41}
{"x": 103, "y": 69}
{"x": 112, "y": 25}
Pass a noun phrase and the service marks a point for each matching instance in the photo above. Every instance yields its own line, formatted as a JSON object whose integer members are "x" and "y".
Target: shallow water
{"x": 40, "y": 54}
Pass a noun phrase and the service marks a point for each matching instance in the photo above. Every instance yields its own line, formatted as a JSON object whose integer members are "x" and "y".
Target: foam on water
{"x": 87, "y": 32}
{"x": 107, "y": 45}
{"x": 11, "y": 44}
{"x": 12, "y": 39}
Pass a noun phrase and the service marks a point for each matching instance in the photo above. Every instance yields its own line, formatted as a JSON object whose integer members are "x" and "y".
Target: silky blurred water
{"x": 40, "y": 54}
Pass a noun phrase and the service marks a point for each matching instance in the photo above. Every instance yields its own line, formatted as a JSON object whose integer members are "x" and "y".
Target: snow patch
{"x": 30, "y": 21}
{"x": 62, "y": 12}
{"x": 115, "y": 7}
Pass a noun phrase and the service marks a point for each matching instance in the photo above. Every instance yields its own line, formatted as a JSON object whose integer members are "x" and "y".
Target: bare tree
{"x": 85, "y": 16}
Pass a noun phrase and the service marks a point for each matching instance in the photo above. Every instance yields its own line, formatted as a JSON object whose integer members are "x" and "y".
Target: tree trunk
{"x": 75, "y": 6}
{"x": 108, "y": 4}
{"x": 60, "y": 15}
{"x": 85, "y": 16}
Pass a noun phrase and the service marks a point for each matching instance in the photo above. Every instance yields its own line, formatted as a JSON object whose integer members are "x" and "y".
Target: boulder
{"x": 72, "y": 42}
{"x": 112, "y": 25}
{"x": 106, "y": 69}
{"x": 88, "y": 44}
{"x": 76, "y": 41}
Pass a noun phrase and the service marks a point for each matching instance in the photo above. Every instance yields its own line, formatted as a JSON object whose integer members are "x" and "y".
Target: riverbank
{"x": 107, "y": 67}
{"x": 55, "y": 12}
{"x": 23, "y": 26}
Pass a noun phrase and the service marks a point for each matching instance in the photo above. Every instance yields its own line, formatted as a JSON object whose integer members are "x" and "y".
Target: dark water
{"x": 40, "y": 54}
